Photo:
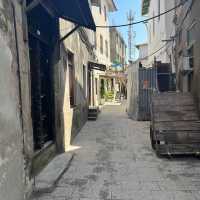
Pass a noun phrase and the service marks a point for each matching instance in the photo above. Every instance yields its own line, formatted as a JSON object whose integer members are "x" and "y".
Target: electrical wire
{"x": 146, "y": 20}
{"x": 157, "y": 50}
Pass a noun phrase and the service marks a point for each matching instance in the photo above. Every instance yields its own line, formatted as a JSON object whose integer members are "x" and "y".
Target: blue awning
{"x": 76, "y": 11}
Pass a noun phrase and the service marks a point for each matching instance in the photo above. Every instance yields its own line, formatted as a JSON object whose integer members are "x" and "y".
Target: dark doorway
{"x": 89, "y": 87}
{"x": 42, "y": 33}
{"x": 71, "y": 79}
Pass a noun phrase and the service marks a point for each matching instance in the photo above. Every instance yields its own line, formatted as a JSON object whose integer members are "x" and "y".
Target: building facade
{"x": 100, "y": 10}
{"x": 116, "y": 73}
{"x": 117, "y": 50}
{"x": 187, "y": 48}
{"x": 143, "y": 54}
{"x": 73, "y": 83}
{"x": 32, "y": 91}
{"x": 161, "y": 31}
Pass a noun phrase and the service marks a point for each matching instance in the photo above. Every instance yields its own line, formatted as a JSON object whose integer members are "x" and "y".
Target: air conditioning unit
{"x": 186, "y": 64}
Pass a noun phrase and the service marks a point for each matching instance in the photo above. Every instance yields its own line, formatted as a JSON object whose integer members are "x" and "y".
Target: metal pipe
{"x": 68, "y": 34}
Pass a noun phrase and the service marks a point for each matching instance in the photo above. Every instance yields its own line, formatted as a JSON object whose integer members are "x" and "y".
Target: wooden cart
{"x": 175, "y": 124}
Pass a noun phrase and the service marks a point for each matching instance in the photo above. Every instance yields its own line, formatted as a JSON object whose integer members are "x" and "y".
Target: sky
{"x": 120, "y": 17}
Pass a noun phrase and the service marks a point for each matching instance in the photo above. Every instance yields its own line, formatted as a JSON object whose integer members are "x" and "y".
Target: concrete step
{"x": 92, "y": 114}
{"x": 93, "y": 111}
{"x": 49, "y": 177}
{"x": 94, "y": 118}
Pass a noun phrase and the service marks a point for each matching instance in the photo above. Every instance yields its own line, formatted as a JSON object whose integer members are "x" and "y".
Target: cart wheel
{"x": 153, "y": 142}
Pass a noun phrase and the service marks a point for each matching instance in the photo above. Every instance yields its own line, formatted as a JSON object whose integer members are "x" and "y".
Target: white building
{"x": 161, "y": 30}
{"x": 143, "y": 54}
{"x": 100, "y": 9}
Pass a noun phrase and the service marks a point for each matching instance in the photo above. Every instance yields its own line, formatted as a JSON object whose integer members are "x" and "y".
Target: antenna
{"x": 131, "y": 35}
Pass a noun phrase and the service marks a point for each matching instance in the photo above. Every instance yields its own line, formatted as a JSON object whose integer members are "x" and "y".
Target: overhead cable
{"x": 146, "y": 20}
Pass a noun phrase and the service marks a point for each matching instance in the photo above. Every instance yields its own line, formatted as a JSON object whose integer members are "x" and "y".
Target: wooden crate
{"x": 175, "y": 124}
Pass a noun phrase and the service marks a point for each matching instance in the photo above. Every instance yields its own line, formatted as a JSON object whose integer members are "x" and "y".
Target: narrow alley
{"x": 114, "y": 160}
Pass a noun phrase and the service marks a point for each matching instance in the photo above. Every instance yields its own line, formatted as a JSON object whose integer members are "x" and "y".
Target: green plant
{"x": 102, "y": 91}
{"x": 109, "y": 95}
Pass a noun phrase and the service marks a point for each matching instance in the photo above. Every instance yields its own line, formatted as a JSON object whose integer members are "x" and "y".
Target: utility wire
{"x": 162, "y": 47}
{"x": 146, "y": 20}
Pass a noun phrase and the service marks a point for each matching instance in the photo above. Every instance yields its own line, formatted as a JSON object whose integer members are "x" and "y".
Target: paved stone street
{"x": 114, "y": 160}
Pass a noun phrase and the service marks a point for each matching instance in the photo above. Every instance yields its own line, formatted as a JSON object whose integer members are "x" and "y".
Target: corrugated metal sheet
{"x": 147, "y": 85}
{"x": 142, "y": 82}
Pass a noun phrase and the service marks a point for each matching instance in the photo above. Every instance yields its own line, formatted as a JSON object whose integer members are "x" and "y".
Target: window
{"x": 191, "y": 56}
{"x": 96, "y": 85}
{"x": 106, "y": 45}
{"x": 71, "y": 79}
{"x": 153, "y": 24}
{"x": 100, "y": 7}
{"x": 159, "y": 9}
{"x": 180, "y": 36}
{"x": 95, "y": 40}
{"x": 105, "y": 13}
{"x": 101, "y": 44}
{"x": 191, "y": 64}
{"x": 190, "y": 37}
{"x": 84, "y": 81}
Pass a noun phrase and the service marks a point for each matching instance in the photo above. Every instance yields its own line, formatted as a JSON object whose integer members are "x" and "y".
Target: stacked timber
{"x": 175, "y": 124}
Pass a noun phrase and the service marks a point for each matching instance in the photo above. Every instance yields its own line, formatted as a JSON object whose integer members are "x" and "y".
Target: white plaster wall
{"x": 100, "y": 20}
{"x": 82, "y": 56}
{"x": 132, "y": 90}
{"x": 164, "y": 29}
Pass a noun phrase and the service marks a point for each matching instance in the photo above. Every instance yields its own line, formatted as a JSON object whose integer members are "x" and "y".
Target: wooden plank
{"x": 179, "y": 149}
{"x": 173, "y": 101}
{"x": 178, "y": 125}
{"x": 175, "y": 116}
{"x": 189, "y": 108}
{"x": 175, "y": 122}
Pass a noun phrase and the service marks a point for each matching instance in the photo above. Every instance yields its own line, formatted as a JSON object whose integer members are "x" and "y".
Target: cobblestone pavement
{"x": 114, "y": 161}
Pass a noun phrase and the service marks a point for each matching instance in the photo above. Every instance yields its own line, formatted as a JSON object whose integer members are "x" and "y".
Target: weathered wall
{"x": 117, "y": 48}
{"x": 160, "y": 29}
{"x": 71, "y": 120}
{"x": 132, "y": 90}
{"x": 99, "y": 18}
{"x": 192, "y": 24}
{"x": 143, "y": 54}
{"x": 15, "y": 133}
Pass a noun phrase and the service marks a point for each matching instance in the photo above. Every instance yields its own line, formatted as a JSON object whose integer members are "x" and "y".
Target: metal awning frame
{"x": 96, "y": 66}
{"x": 52, "y": 12}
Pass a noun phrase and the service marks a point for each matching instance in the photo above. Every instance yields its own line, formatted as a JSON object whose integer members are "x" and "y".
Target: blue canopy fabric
{"x": 76, "y": 11}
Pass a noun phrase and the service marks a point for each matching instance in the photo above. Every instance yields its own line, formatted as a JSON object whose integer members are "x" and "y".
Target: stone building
{"x": 160, "y": 31}
{"x": 187, "y": 47}
{"x": 100, "y": 9}
{"x": 30, "y": 115}
{"x": 117, "y": 49}
{"x": 143, "y": 54}
{"x": 115, "y": 75}
{"x": 73, "y": 73}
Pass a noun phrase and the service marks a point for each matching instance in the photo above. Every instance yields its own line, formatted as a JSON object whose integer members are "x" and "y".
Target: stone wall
{"x": 15, "y": 120}
{"x": 69, "y": 120}
{"x": 183, "y": 43}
